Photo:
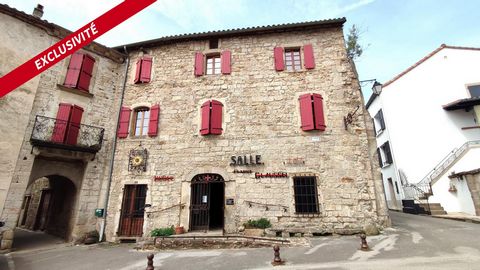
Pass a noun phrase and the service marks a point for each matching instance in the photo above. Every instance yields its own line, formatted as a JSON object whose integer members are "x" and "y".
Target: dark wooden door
{"x": 133, "y": 209}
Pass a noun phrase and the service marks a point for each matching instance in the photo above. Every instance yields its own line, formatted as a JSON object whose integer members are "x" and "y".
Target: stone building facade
{"x": 58, "y": 130}
{"x": 215, "y": 131}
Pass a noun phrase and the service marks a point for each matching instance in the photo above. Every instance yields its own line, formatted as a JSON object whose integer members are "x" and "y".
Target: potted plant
{"x": 179, "y": 229}
{"x": 91, "y": 237}
{"x": 256, "y": 227}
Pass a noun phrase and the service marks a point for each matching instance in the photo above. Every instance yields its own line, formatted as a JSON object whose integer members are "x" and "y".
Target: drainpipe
{"x": 112, "y": 158}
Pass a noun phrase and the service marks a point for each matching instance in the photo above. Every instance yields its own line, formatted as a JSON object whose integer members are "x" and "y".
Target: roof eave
{"x": 235, "y": 32}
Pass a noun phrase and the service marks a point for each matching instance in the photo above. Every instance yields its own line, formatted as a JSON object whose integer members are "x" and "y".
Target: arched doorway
{"x": 207, "y": 202}
{"x": 49, "y": 205}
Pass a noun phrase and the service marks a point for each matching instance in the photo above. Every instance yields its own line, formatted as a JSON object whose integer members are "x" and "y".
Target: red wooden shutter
{"x": 124, "y": 122}
{"x": 318, "y": 112}
{"x": 216, "y": 118}
{"x": 86, "y": 72}
{"x": 198, "y": 64}
{"x": 306, "y": 112}
{"x": 60, "y": 128}
{"x": 137, "y": 72}
{"x": 226, "y": 62}
{"x": 146, "y": 71}
{"x": 309, "y": 60}
{"x": 74, "y": 125}
{"x": 205, "y": 126}
{"x": 73, "y": 71}
{"x": 153, "y": 124}
{"x": 278, "y": 55}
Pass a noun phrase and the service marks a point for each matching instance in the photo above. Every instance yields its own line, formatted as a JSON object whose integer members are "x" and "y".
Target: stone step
{"x": 438, "y": 212}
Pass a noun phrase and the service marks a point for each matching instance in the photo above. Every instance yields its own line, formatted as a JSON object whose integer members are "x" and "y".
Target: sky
{"x": 394, "y": 33}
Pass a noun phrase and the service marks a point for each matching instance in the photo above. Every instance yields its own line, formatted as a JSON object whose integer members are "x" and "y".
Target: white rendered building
{"x": 427, "y": 124}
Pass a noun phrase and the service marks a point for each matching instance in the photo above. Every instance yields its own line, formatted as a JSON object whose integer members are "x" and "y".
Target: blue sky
{"x": 395, "y": 33}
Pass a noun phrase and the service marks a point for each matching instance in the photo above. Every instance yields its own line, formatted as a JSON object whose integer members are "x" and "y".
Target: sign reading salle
{"x": 246, "y": 160}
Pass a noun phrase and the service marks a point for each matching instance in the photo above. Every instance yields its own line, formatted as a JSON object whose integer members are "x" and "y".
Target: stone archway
{"x": 48, "y": 206}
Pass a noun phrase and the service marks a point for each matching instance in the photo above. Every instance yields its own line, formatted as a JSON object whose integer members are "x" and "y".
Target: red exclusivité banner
{"x": 71, "y": 44}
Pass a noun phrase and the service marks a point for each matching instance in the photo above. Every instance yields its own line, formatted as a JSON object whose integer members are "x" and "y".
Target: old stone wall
{"x": 26, "y": 163}
{"x": 260, "y": 116}
{"x": 19, "y": 42}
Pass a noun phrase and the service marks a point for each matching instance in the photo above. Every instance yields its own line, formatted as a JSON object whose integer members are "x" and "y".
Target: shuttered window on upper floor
{"x": 80, "y": 71}
{"x": 213, "y": 63}
{"x": 143, "y": 71}
{"x": 311, "y": 112}
{"x": 290, "y": 58}
{"x": 211, "y": 118}
{"x": 144, "y": 122}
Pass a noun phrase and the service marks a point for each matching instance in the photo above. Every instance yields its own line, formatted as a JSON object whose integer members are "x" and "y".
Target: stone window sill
{"x": 74, "y": 91}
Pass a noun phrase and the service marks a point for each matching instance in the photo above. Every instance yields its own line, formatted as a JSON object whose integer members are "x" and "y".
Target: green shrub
{"x": 261, "y": 223}
{"x": 163, "y": 231}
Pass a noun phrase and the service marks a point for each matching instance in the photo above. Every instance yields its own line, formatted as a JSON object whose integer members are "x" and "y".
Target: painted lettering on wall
{"x": 163, "y": 178}
{"x": 246, "y": 160}
{"x": 271, "y": 175}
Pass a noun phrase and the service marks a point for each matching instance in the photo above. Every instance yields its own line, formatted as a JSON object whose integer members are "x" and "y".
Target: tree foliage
{"x": 354, "y": 49}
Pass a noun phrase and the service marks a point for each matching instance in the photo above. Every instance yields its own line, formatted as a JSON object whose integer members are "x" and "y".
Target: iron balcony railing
{"x": 56, "y": 133}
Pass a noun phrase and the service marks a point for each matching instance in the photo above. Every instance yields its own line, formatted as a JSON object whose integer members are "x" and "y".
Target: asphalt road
{"x": 413, "y": 242}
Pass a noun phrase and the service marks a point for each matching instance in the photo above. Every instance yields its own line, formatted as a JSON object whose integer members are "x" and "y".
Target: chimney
{"x": 38, "y": 11}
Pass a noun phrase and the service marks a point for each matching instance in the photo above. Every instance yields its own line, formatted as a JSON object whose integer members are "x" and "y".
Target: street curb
{"x": 459, "y": 219}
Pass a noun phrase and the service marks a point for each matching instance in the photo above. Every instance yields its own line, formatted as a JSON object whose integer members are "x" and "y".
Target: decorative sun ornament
{"x": 138, "y": 160}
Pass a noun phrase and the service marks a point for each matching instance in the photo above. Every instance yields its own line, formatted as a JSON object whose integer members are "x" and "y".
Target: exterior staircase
{"x": 416, "y": 195}
{"x": 413, "y": 207}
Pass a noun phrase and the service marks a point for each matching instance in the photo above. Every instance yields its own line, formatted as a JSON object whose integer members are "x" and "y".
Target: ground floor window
{"x": 306, "y": 198}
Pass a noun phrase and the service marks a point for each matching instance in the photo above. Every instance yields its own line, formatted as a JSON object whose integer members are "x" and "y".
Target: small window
{"x": 386, "y": 153}
{"x": 141, "y": 118}
{"x": 213, "y": 43}
{"x": 306, "y": 199}
{"x": 396, "y": 187}
{"x": 379, "y": 122}
{"x": 474, "y": 90}
{"x": 213, "y": 64}
{"x": 292, "y": 59}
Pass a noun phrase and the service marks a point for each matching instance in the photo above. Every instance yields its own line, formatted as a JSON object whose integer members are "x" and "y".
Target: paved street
{"x": 414, "y": 242}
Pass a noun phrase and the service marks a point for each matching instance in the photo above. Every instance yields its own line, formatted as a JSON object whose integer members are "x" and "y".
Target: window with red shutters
{"x": 80, "y": 70}
{"x": 153, "y": 125}
{"x": 124, "y": 122}
{"x": 213, "y": 64}
{"x": 211, "y": 114}
{"x": 311, "y": 112}
{"x": 67, "y": 124}
{"x": 143, "y": 71}
{"x": 291, "y": 60}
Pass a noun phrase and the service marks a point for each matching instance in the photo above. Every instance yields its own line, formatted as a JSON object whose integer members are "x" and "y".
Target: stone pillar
{"x": 473, "y": 183}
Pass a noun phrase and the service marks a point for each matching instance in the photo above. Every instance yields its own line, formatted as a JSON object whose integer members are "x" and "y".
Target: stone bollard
{"x": 364, "y": 246}
{"x": 150, "y": 262}
{"x": 276, "y": 256}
